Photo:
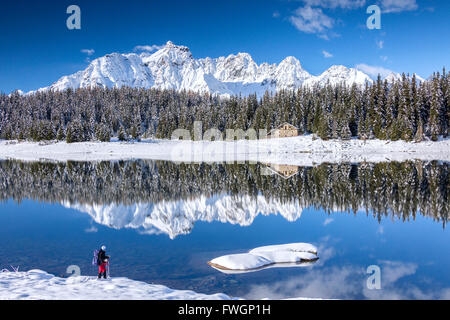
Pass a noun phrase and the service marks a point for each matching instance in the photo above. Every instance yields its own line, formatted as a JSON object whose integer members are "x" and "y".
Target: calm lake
{"x": 162, "y": 222}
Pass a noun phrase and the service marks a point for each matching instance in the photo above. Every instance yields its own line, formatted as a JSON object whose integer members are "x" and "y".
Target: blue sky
{"x": 36, "y": 48}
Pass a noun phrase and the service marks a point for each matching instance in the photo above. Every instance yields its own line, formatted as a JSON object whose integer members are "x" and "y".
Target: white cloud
{"x": 394, "y": 270}
{"x": 326, "y": 54}
{"x": 330, "y": 283}
{"x": 89, "y": 52}
{"x": 328, "y": 221}
{"x": 91, "y": 229}
{"x": 380, "y": 44}
{"x": 373, "y": 71}
{"x": 380, "y": 230}
{"x": 333, "y": 4}
{"x": 311, "y": 20}
{"x": 389, "y": 6}
{"x": 348, "y": 282}
{"x": 148, "y": 48}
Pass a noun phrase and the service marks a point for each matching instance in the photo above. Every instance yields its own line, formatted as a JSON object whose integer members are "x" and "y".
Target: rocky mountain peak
{"x": 174, "y": 67}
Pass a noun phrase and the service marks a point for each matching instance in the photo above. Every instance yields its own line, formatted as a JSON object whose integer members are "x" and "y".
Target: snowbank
{"x": 39, "y": 285}
{"x": 301, "y": 151}
{"x": 294, "y": 254}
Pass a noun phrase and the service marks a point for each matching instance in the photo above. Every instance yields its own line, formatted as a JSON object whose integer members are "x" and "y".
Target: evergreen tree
{"x": 402, "y": 110}
{"x": 122, "y": 135}
{"x": 404, "y": 118}
{"x": 435, "y": 108}
{"x": 60, "y": 134}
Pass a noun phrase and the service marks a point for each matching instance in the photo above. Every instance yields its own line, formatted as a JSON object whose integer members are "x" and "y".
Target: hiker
{"x": 102, "y": 261}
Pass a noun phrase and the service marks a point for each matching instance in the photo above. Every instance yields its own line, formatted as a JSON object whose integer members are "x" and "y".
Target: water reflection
{"x": 178, "y": 217}
{"x": 347, "y": 282}
{"x": 160, "y": 197}
{"x": 164, "y": 197}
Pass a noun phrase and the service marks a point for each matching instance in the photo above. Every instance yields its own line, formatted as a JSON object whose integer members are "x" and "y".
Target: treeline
{"x": 406, "y": 109}
{"x": 391, "y": 189}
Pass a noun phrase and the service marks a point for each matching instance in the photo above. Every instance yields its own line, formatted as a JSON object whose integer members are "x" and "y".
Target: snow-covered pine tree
{"x": 405, "y": 122}
{"x": 121, "y": 134}
{"x": 435, "y": 108}
{"x": 444, "y": 113}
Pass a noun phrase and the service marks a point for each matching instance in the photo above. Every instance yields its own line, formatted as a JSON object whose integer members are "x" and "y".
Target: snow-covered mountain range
{"x": 174, "y": 67}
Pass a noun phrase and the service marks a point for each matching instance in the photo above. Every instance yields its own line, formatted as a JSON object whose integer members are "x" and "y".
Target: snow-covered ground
{"x": 268, "y": 256}
{"x": 39, "y": 285}
{"x": 301, "y": 151}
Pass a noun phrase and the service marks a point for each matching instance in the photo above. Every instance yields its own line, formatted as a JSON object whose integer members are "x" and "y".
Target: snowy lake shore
{"x": 300, "y": 151}
{"x": 39, "y": 285}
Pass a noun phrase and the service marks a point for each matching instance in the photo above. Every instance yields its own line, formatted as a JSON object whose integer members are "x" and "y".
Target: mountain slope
{"x": 393, "y": 77}
{"x": 339, "y": 74}
{"x": 174, "y": 67}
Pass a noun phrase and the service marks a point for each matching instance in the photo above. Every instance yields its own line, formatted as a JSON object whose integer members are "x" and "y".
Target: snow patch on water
{"x": 275, "y": 256}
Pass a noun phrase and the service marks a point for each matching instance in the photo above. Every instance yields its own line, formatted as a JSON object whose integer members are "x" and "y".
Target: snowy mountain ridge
{"x": 394, "y": 76}
{"x": 174, "y": 67}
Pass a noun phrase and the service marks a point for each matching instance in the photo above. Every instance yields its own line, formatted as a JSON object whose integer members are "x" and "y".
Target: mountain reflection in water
{"x": 135, "y": 201}
{"x": 164, "y": 197}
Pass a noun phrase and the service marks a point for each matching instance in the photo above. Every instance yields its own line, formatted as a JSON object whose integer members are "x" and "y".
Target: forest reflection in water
{"x": 389, "y": 189}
